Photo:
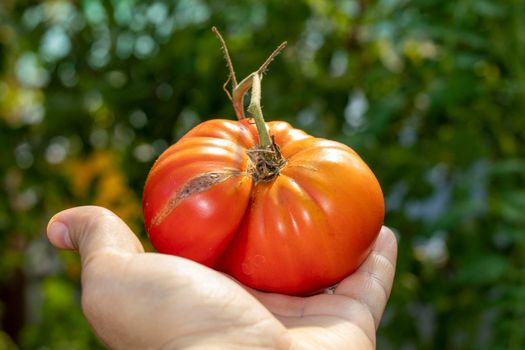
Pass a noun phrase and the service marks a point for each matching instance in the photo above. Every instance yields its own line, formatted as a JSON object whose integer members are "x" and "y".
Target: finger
{"x": 371, "y": 284}
{"x": 91, "y": 230}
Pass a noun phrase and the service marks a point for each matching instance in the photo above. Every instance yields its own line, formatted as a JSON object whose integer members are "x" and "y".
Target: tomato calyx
{"x": 265, "y": 162}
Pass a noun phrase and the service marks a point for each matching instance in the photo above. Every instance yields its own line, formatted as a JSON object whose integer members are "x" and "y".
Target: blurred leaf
{"x": 6, "y": 343}
{"x": 483, "y": 270}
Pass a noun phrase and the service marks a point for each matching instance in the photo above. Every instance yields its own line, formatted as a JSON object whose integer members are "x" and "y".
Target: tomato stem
{"x": 231, "y": 76}
{"x": 239, "y": 90}
{"x": 266, "y": 160}
{"x": 256, "y": 111}
{"x": 238, "y": 96}
{"x": 242, "y": 88}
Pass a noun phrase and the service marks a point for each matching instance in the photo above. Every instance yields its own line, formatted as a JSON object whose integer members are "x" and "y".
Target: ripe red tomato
{"x": 297, "y": 230}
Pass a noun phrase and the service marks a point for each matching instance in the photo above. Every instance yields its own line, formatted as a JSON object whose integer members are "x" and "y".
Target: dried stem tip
{"x": 226, "y": 57}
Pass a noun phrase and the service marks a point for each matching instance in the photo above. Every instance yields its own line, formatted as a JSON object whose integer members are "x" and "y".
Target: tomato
{"x": 304, "y": 230}
{"x": 277, "y": 209}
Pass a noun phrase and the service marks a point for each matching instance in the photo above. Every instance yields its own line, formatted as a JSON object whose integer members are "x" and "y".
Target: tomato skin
{"x": 304, "y": 231}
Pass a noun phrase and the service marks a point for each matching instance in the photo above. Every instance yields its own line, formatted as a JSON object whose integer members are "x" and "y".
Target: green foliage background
{"x": 430, "y": 93}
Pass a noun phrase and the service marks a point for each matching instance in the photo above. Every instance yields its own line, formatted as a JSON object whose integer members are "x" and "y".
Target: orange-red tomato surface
{"x": 303, "y": 231}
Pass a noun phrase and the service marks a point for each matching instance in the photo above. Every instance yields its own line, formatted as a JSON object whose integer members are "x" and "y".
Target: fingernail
{"x": 58, "y": 234}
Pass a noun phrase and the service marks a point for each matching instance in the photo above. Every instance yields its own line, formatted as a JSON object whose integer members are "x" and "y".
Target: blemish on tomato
{"x": 198, "y": 184}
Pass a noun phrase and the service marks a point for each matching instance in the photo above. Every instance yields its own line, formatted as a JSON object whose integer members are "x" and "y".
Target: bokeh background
{"x": 431, "y": 93}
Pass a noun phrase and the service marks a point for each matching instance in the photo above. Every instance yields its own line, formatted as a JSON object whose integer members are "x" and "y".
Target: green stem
{"x": 238, "y": 95}
{"x": 256, "y": 111}
{"x": 252, "y": 81}
{"x": 239, "y": 90}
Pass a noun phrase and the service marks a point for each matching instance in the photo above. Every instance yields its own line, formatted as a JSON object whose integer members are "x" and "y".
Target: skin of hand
{"x": 138, "y": 300}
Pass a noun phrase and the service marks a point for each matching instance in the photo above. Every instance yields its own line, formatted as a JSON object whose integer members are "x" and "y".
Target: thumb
{"x": 91, "y": 229}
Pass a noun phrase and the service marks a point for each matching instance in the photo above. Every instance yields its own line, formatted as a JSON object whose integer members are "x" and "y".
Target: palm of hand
{"x": 143, "y": 300}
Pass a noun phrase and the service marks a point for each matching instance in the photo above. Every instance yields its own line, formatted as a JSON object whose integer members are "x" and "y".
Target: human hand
{"x": 138, "y": 300}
